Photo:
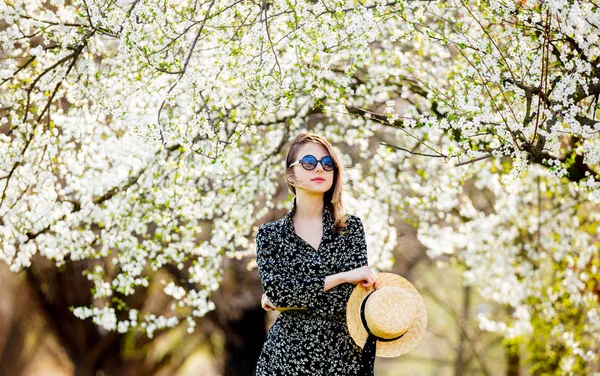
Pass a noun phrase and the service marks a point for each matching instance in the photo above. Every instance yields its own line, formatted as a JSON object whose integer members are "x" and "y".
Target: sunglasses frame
{"x": 316, "y": 164}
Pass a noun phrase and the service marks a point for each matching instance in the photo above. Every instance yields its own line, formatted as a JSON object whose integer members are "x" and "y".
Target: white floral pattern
{"x": 314, "y": 341}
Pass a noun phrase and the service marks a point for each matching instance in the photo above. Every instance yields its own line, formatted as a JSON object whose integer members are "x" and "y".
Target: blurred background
{"x": 402, "y": 92}
{"x": 40, "y": 336}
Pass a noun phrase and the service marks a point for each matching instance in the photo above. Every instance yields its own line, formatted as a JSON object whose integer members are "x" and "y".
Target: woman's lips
{"x": 318, "y": 179}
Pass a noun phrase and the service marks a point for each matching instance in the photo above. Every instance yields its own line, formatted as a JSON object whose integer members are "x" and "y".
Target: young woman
{"x": 309, "y": 262}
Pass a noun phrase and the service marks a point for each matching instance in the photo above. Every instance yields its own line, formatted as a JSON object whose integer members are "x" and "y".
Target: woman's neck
{"x": 309, "y": 207}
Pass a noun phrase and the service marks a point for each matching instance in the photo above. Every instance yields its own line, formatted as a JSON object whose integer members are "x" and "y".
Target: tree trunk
{"x": 459, "y": 364}
{"x": 243, "y": 342}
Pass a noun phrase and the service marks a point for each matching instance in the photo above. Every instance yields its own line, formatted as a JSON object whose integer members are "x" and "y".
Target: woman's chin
{"x": 322, "y": 187}
{"x": 316, "y": 188}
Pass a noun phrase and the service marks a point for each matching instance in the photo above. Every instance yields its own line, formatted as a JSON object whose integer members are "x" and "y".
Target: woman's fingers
{"x": 374, "y": 280}
{"x": 263, "y": 304}
{"x": 366, "y": 282}
{"x": 266, "y": 303}
{"x": 370, "y": 280}
{"x": 267, "y": 307}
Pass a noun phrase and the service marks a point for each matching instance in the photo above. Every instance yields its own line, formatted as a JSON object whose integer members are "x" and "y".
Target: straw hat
{"x": 395, "y": 314}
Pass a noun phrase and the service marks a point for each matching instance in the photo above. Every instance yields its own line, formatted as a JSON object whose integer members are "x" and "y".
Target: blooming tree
{"x": 127, "y": 126}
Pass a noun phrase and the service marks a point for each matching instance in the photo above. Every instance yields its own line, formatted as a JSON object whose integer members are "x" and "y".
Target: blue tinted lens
{"x": 309, "y": 162}
{"x": 327, "y": 163}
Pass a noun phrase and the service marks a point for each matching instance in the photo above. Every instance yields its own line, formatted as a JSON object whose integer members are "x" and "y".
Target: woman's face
{"x": 317, "y": 180}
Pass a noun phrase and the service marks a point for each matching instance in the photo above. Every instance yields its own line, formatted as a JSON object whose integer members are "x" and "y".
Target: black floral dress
{"x": 314, "y": 341}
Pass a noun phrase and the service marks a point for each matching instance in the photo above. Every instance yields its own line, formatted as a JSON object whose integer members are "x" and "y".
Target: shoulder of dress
{"x": 354, "y": 223}
{"x": 270, "y": 227}
{"x": 269, "y": 233}
{"x": 352, "y": 219}
{"x": 351, "y": 224}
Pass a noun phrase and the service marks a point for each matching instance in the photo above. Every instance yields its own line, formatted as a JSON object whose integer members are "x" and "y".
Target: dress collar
{"x": 327, "y": 218}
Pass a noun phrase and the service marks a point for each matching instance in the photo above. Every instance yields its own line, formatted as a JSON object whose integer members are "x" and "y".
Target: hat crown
{"x": 390, "y": 311}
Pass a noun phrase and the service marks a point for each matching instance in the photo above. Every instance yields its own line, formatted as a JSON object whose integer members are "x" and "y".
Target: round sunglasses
{"x": 309, "y": 162}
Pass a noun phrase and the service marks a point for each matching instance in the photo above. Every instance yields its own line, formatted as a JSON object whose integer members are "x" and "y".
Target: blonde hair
{"x": 332, "y": 199}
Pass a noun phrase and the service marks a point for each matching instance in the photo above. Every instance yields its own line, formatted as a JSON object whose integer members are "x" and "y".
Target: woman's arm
{"x": 284, "y": 290}
{"x": 362, "y": 275}
{"x": 356, "y": 270}
{"x": 333, "y": 280}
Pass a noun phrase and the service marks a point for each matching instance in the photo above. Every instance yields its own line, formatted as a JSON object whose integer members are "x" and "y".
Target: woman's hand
{"x": 266, "y": 303}
{"x": 362, "y": 275}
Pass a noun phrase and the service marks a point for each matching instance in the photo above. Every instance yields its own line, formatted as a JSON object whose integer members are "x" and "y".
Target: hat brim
{"x": 392, "y": 348}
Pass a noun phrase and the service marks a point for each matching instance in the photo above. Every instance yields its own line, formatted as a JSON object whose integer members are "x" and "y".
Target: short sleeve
{"x": 284, "y": 289}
